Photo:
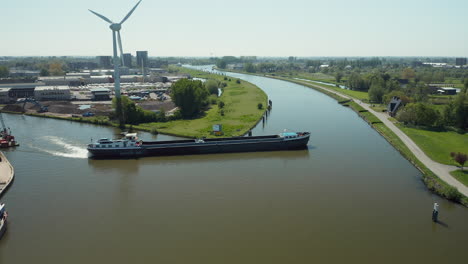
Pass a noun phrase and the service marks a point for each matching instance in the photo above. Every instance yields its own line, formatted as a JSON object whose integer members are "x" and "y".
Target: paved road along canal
{"x": 349, "y": 198}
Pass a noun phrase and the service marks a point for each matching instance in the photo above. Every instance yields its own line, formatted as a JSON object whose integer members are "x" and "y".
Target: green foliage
{"x": 212, "y": 86}
{"x": 376, "y": 93}
{"x": 420, "y": 114}
{"x": 238, "y": 81}
{"x": 249, "y": 67}
{"x": 388, "y": 97}
{"x": 4, "y": 72}
{"x": 133, "y": 114}
{"x": 338, "y": 76}
{"x": 220, "y": 104}
{"x": 44, "y": 72}
{"x": 260, "y": 106}
{"x": 190, "y": 96}
{"x": 357, "y": 83}
{"x": 452, "y": 193}
{"x": 221, "y": 64}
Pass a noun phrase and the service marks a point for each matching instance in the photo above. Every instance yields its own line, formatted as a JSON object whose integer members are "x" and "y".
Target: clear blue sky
{"x": 242, "y": 27}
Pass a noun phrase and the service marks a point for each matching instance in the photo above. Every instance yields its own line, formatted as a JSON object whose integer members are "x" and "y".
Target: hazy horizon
{"x": 208, "y": 28}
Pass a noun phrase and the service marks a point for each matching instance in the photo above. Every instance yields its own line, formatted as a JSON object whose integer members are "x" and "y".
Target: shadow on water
{"x": 132, "y": 164}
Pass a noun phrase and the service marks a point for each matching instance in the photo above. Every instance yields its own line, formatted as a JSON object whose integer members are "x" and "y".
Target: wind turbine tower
{"x": 115, "y": 27}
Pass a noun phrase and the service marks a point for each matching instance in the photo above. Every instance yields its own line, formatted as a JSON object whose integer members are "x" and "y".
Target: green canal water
{"x": 349, "y": 198}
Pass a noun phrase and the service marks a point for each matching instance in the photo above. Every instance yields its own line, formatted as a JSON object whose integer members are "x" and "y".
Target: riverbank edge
{"x": 430, "y": 179}
{"x": 99, "y": 120}
{"x": 10, "y": 173}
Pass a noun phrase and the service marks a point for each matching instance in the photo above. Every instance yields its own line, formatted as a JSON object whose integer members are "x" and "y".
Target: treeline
{"x": 453, "y": 114}
{"x": 190, "y": 96}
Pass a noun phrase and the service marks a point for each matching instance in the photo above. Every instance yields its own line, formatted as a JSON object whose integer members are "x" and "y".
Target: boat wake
{"x": 67, "y": 150}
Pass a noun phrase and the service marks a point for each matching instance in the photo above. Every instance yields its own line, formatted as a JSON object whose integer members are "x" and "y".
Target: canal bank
{"x": 350, "y": 192}
{"x": 7, "y": 173}
{"x": 436, "y": 176}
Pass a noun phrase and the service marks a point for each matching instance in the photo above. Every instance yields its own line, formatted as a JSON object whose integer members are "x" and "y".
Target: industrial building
{"x": 4, "y": 97}
{"x": 104, "y": 61}
{"x": 100, "y": 94}
{"x": 20, "y": 90}
{"x": 127, "y": 60}
{"x": 142, "y": 58}
{"x": 460, "y": 61}
{"x": 43, "y": 93}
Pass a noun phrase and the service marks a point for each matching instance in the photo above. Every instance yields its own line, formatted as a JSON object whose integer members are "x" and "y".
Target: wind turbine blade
{"x": 130, "y": 13}
{"x": 120, "y": 47}
{"x": 101, "y": 16}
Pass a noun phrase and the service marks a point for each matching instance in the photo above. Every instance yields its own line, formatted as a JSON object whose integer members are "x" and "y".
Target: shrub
{"x": 154, "y": 131}
{"x": 260, "y": 106}
{"x": 221, "y": 104}
{"x": 238, "y": 81}
{"x": 452, "y": 193}
{"x": 221, "y": 112}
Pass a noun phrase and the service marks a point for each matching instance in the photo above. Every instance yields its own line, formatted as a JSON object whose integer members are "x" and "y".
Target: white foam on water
{"x": 69, "y": 150}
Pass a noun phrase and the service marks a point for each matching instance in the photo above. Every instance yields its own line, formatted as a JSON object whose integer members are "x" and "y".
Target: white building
{"x": 42, "y": 93}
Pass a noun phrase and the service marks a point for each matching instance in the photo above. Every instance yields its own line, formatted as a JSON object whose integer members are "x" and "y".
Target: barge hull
{"x": 208, "y": 147}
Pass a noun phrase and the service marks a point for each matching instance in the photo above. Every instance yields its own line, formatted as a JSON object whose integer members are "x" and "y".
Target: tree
{"x": 220, "y": 104}
{"x": 56, "y": 69}
{"x": 190, "y": 96}
{"x": 212, "y": 86}
{"x": 461, "y": 109}
{"x": 44, "y": 72}
{"x": 376, "y": 93}
{"x": 249, "y": 67}
{"x": 419, "y": 114}
{"x": 408, "y": 73}
{"x": 221, "y": 64}
{"x": 460, "y": 158}
{"x": 4, "y": 72}
{"x": 338, "y": 76}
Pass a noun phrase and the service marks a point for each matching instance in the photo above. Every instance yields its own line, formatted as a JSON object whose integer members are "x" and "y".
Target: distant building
{"x": 100, "y": 94}
{"x": 42, "y": 93}
{"x": 20, "y": 90}
{"x": 4, "y": 95}
{"x": 142, "y": 58}
{"x": 447, "y": 91}
{"x": 23, "y": 73}
{"x": 105, "y": 61}
{"x": 127, "y": 60}
{"x": 460, "y": 61}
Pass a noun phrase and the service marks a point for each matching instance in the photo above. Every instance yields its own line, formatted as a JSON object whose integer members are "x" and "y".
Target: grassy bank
{"x": 438, "y": 145}
{"x": 461, "y": 175}
{"x": 431, "y": 180}
{"x": 240, "y": 111}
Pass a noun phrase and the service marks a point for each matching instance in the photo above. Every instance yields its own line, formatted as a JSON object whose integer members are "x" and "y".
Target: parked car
{"x": 88, "y": 114}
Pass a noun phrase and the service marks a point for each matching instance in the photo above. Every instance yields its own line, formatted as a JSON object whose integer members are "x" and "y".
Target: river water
{"x": 349, "y": 198}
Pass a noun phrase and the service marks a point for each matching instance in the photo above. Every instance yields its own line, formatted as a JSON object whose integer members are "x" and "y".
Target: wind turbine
{"x": 115, "y": 27}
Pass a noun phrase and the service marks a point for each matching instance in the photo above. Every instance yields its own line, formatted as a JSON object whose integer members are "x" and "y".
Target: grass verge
{"x": 438, "y": 145}
{"x": 461, "y": 175}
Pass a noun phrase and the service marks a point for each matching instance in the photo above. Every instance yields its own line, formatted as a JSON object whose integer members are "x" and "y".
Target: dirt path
{"x": 441, "y": 170}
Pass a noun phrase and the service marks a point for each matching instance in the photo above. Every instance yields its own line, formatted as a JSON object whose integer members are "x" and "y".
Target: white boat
{"x": 3, "y": 219}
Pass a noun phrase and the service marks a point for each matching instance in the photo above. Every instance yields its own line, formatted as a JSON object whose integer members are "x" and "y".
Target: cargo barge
{"x": 131, "y": 146}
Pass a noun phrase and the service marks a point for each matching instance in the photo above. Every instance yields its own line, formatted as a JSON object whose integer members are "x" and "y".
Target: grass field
{"x": 438, "y": 145}
{"x": 461, "y": 175}
{"x": 240, "y": 111}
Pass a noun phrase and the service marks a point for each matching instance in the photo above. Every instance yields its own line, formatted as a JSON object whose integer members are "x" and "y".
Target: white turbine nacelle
{"x": 116, "y": 27}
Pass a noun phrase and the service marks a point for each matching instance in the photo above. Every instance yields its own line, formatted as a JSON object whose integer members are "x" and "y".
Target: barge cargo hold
{"x": 130, "y": 146}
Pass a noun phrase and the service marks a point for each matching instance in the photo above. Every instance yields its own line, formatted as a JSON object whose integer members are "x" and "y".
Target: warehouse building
{"x": 44, "y": 93}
